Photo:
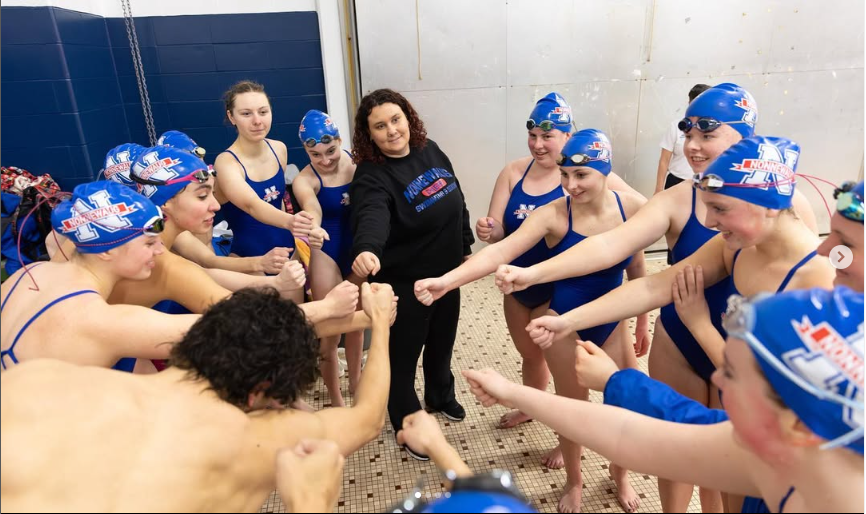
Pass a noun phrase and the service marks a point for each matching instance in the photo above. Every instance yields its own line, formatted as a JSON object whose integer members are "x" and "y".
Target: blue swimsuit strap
{"x": 785, "y": 499}
{"x": 321, "y": 183}
{"x": 11, "y": 350}
{"x": 799, "y": 265}
{"x": 2, "y": 305}
{"x": 619, "y": 203}
{"x": 239, "y": 162}
{"x": 279, "y": 165}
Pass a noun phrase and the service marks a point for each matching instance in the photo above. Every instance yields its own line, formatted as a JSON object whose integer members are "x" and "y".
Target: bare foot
{"x": 626, "y": 494}
{"x": 512, "y": 419}
{"x": 571, "y": 494}
{"x": 302, "y": 405}
{"x": 553, "y": 459}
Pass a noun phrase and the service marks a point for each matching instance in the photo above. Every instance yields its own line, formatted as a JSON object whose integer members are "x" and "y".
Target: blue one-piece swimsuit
{"x": 571, "y": 293}
{"x": 693, "y": 236}
{"x": 252, "y": 237}
{"x": 336, "y": 212}
{"x": 520, "y": 205}
{"x": 126, "y": 364}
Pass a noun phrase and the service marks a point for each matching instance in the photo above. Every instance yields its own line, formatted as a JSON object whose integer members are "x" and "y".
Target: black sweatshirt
{"x": 410, "y": 212}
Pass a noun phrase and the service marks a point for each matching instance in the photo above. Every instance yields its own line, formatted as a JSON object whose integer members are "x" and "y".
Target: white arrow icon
{"x": 841, "y": 257}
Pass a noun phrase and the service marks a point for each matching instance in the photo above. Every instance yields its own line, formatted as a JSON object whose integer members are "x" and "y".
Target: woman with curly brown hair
{"x": 409, "y": 220}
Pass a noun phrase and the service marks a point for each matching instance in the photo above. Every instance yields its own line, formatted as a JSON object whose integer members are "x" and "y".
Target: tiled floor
{"x": 381, "y": 475}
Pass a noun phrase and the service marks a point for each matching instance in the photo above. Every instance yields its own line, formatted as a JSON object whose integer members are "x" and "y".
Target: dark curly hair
{"x": 363, "y": 147}
{"x": 250, "y": 339}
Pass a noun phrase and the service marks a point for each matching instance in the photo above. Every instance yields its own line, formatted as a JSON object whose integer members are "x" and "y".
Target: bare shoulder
{"x": 280, "y": 148}
{"x": 306, "y": 178}
{"x": 225, "y": 163}
{"x": 515, "y": 169}
{"x": 818, "y": 272}
{"x": 631, "y": 202}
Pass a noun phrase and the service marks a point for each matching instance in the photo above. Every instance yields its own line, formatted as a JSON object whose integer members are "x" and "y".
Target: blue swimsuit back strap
{"x": 799, "y": 265}
{"x": 619, "y": 203}
{"x": 11, "y": 351}
{"x": 16, "y": 284}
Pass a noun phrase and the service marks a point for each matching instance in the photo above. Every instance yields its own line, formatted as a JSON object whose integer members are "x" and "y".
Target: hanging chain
{"x": 139, "y": 71}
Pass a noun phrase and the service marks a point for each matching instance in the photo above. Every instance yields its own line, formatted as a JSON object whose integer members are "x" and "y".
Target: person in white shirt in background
{"x": 673, "y": 165}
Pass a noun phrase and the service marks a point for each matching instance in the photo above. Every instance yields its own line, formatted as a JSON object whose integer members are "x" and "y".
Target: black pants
{"x": 432, "y": 329}
{"x": 672, "y": 180}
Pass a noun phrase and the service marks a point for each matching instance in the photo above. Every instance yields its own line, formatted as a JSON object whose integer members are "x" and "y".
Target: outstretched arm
{"x": 533, "y": 230}
{"x": 421, "y": 431}
{"x": 635, "y": 270}
{"x": 603, "y": 250}
{"x": 632, "y": 298}
{"x": 698, "y": 454}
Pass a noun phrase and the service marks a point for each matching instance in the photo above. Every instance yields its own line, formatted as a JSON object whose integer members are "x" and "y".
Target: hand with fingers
{"x": 317, "y": 237}
{"x": 343, "y": 299}
{"x": 366, "y": 264}
{"x": 291, "y": 278}
{"x": 379, "y": 301}
{"x": 489, "y": 387}
{"x": 300, "y": 224}
{"x": 689, "y": 300}
{"x": 421, "y": 432}
{"x": 310, "y": 476}
{"x": 547, "y": 329}
{"x": 510, "y": 279}
{"x": 484, "y": 228}
{"x": 272, "y": 262}
{"x": 642, "y": 339}
{"x": 594, "y": 367}
{"x": 429, "y": 290}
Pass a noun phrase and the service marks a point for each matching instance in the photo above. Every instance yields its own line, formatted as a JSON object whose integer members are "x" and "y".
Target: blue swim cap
{"x": 161, "y": 164}
{"x": 760, "y": 170}
{"x": 728, "y": 103}
{"x": 181, "y": 141}
{"x": 118, "y": 161}
{"x": 477, "y": 501}
{"x": 104, "y": 215}
{"x": 590, "y": 148}
{"x": 555, "y": 110}
{"x": 809, "y": 344}
{"x": 315, "y": 125}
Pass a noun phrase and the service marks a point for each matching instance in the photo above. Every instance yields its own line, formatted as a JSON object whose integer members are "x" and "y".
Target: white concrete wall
{"x": 475, "y": 68}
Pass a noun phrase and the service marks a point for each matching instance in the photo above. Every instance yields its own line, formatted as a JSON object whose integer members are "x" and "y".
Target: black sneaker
{"x": 451, "y": 410}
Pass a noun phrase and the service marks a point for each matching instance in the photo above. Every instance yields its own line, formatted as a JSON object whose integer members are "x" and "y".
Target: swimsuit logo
{"x": 831, "y": 362}
{"x": 100, "y": 212}
{"x": 345, "y": 200}
{"x": 270, "y": 194}
{"x": 603, "y": 149}
{"x": 524, "y": 211}
{"x": 770, "y": 169}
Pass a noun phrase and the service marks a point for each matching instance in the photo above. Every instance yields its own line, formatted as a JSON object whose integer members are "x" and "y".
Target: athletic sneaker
{"x": 451, "y": 410}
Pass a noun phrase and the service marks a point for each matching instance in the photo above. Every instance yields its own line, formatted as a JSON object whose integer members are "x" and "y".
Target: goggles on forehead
{"x": 325, "y": 139}
{"x": 712, "y": 183}
{"x": 848, "y": 204}
{"x": 200, "y": 176}
{"x": 578, "y": 159}
{"x": 703, "y": 124}
{"x": 740, "y": 324}
{"x": 545, "y": 125}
